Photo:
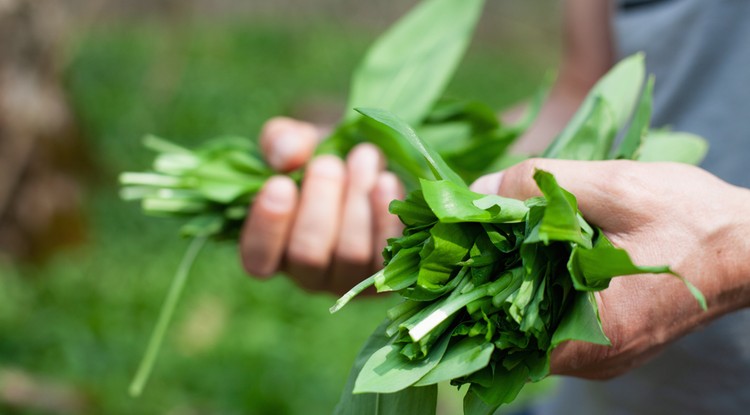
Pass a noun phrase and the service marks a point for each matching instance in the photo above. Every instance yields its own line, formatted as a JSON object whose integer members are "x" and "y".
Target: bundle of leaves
{"x": 492, "y": 285}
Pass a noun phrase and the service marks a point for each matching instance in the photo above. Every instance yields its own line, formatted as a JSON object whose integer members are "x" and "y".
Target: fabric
{"x": 699, "y": 51}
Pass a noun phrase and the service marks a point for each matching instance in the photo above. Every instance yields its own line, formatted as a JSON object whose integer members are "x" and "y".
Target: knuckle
{"x": 308, "y": 255}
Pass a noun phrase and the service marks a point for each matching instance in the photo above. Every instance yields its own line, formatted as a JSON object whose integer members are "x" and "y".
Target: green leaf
{"x": 406, "y": 133}
{"x": 413, "y": 211}
{"x": 673, "y": 146}
{"x": 448, "y": 245}
{"x": 461, "y": 359}
{"x": 593, "y": 140}
{"x": 408, "y": 67}
{"x": 592, "y": 269}
{"x": 639, "y": 125}
{"x": 619, "y": 88}
{"x": 505, "y": 386}
{"x": 455, "y": 203}
{"x": 401, "y": 272}
{"x": 560, "y": 221}
{"x": 418, "y": 401}
{"x": 581, "y": 322}
{"x": 387, "y": 370}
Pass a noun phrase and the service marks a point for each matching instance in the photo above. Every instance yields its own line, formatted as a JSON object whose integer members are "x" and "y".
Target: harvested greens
{"x": 492, "y": 285}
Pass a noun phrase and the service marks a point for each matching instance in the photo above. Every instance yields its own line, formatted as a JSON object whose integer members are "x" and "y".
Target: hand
{"x": 328, "y": 236}
{"x": 661, "y": 213}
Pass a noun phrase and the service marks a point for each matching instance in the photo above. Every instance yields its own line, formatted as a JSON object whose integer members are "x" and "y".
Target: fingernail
{"x": 278, "y": 194}
{"x": 488, "y": 184}
{"x": 367, "y": 156}
{"x": 283, "y": 149}
{"x": 327, "y": 166}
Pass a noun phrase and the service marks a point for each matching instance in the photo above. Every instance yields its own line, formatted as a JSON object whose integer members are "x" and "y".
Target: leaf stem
{"x": 165, "y": 315}
{"x": 354, "y": 291}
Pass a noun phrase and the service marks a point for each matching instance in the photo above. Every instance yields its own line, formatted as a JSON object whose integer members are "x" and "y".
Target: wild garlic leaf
{"x": 560, "y": 220}
{"x": 581, "y": 322}
{"x": 505, "y": 386}
{"x": 447, "y": 245}
{"x": 619, "y": 88}
{"x": 401, "y": 272}
{"x": 455, "y": 203}
{"x": 408, "y": 67}
{"x": 592, "y": 269}
{"x": 387, "y": 370}
{"x": 639, "y": 125}
{"x": 418, "y": 401}
{"x": 672, "y": 146}
{"x": 407, "y": 134}
{"x": 594, "y": 138}
{"x": 461, "y": 359}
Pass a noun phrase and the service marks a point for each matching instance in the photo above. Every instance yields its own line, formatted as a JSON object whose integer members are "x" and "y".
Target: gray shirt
{"x": 699, "y": 51}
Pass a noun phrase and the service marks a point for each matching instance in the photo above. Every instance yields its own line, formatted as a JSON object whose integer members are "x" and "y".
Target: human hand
{"x": 329, "y": 235}
{"x": 661, "y": 213}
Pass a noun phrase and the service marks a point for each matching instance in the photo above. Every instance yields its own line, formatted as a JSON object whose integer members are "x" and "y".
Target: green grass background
{"x": 237, "y": 345}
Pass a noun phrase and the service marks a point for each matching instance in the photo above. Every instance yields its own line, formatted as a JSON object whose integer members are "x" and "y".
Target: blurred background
{"x": 83, "y": 274}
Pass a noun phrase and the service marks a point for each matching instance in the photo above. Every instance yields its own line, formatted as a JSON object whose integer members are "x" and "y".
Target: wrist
{"x": 735, "y": 258}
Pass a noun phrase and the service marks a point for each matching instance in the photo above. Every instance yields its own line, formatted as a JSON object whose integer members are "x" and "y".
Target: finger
{"x": 287, "y": 144}
{"x": 353, "y": 254}
{"x": 266, "y": 229}
{"x": 488, "y": 184}
{"x": 387, "y": 225}
{"x": 316, "y": 226}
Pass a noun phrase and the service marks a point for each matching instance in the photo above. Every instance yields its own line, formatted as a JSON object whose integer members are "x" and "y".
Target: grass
{"x": 237, "y": 345}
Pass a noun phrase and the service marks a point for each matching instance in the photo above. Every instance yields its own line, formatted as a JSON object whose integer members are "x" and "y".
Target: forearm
{"x": 588, "y": 53}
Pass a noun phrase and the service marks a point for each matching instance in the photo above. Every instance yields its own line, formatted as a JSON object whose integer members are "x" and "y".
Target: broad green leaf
{"x": 387, "y": 370}
{"x": 418, "y": 401}
{"x": 448, "y": 245}
{"x": 592, "y": 269}
{"x": 505, "y": 386}
{"x": 560, "y": 220}
{"x": 619, "y": 88}
{"x": 413, "y": 211}
{"x": 581, "y": 322}
{"x": 672, "y": 146}
{"x": 639, "y": 125}
{"x": 408, "y": 67}
{"x": 406, "y": 133}
{"x": 454, "y": 203}
{"x": 461, "y": 359}
{"x": 401, "y": 272}
{"x": 594, "y": 138}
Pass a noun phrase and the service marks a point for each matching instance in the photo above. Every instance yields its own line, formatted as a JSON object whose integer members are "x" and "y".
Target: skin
{"x": 329, "y": 235}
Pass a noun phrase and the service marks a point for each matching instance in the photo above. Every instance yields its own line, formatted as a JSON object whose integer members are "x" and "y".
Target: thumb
{"x": 287, "y": 144}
